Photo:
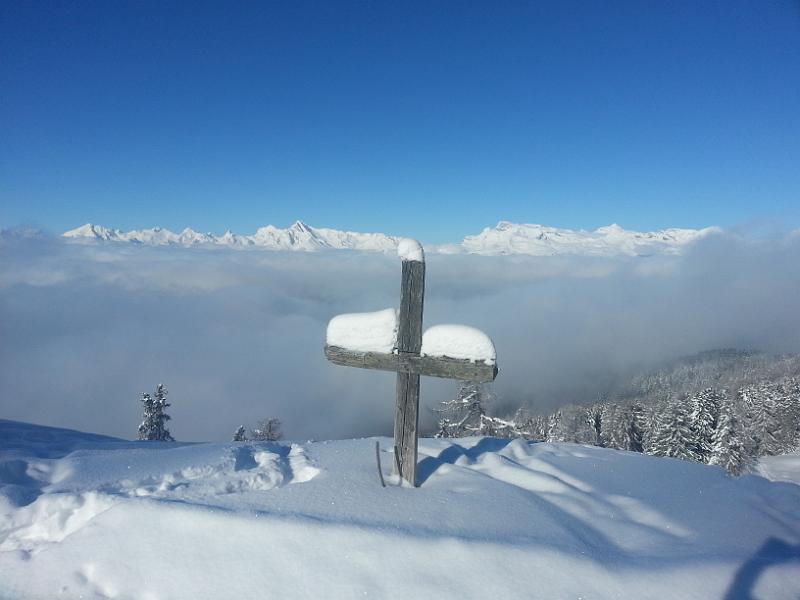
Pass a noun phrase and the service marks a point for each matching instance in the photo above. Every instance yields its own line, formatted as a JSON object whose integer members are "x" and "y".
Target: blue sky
{"x": 430, "y": 119}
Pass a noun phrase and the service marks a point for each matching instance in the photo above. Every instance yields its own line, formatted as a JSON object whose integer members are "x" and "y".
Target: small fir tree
{"x": 154, "y": 422}
{"x": 240, "y": 435}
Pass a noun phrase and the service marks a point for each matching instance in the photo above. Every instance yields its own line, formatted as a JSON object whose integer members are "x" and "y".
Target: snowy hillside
{"x": 93, "y": 517}
{"x": 505, "y": 238}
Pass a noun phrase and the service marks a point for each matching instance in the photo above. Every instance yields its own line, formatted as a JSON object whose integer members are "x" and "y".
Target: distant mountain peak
{"x": 300, "y": 226}
{"x": 504, "y": 238}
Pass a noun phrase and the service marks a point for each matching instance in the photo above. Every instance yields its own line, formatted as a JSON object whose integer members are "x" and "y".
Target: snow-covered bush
{"x": 267, "y": 430}
{"x": 464, "y": 415}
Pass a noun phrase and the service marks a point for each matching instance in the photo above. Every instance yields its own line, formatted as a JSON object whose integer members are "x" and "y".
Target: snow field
{"x": 492, "y": 518}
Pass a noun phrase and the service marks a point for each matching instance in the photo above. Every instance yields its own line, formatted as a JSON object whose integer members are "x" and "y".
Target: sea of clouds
{"x": 237, "y": 335}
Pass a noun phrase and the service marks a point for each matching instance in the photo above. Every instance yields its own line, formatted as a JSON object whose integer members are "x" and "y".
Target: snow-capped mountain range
{"x": 504, "y": 238}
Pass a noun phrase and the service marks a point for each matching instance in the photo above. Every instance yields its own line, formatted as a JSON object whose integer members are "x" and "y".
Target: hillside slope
{"x": 87, "y": 516}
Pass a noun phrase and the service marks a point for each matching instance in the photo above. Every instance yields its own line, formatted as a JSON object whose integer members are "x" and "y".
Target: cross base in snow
{"x": 408, "y": 361}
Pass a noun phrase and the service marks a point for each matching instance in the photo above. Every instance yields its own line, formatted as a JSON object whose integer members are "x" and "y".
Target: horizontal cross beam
{"x": 449, "y": 368}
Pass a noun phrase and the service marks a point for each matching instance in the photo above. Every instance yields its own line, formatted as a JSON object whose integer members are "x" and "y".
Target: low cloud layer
{"x": 237, "y": 335}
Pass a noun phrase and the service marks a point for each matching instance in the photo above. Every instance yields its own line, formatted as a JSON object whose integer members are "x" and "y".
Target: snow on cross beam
{"x": 430, "y": 366}
{"x": 393, "y": 341}
{"x": 365, "y": 332}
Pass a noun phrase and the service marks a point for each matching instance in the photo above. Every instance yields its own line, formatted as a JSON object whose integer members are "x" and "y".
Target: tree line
{"x": 723, "y": 408}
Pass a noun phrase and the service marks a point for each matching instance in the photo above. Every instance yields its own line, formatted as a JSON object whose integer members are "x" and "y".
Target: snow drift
{"x": 89, "y": 516}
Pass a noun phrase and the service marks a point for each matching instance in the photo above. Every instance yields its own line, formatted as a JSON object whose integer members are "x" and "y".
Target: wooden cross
{"x": 407, "y": 362}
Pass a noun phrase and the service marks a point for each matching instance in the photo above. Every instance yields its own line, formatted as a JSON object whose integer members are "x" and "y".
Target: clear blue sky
{"x": 431, "y": 119}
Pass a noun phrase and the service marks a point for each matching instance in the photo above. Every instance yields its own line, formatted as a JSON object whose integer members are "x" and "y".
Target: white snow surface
{"x": 411, "y": 250}
{"x": 458, "y": 341}
{"x": 85, "y": 516}
{"x": 785, "y": 467}
{"x": 504, "y": 238}
{"x": 365, "y": 332}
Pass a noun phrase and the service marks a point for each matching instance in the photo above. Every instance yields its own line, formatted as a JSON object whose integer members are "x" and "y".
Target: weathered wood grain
{"x": 409, "y": 342}
{"x": 406, "y": 423}
{"x": 412, "y": 300}
{"x": 448, "y": 368}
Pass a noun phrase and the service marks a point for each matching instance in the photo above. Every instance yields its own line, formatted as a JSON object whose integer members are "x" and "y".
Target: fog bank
{"x": 237, "y": 335}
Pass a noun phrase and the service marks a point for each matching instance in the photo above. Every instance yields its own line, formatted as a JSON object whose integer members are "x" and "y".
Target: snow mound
{"x": 408, "y": 249}
{"x": 365, "y": 332}
{"x": 51, "y": 519}
{"x": 458, "y": 341}
{"x": 246, "y": 468}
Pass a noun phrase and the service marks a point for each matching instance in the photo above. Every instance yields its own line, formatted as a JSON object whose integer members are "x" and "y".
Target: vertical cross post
{"x": 409, "y": 341}
{"x": 345, "y": 346}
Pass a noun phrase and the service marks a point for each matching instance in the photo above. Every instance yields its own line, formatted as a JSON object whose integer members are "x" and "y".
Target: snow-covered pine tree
{"x": 444, "y": 429}
{"x": 614, "y": 432}
{"x": 635, "y": 427}
{"x": 703, "y": 417}
{"x": 267, "y": 430}
{"x": 462, "y": 415}
{"x": 728, "y": 451}
{"x": 521, "y": 423}
{"x": 793, "y": 388}
{"x": 240, "y": 435}
{"x": 146, "y": 426}
{"x": 674, "y": 437}
{"x": 497, "y": 427}
{"x": 654, "y": 416}
{"x": 154, "y": 421}
{"x": 595, "y": 415}
{"x": 760, "y": 421}
{"x": 787, "y": 405}
{"x": 527, "y": 426}
{"x": 530, "y": 427}
{"x": 538, "y": 428}
{"x": 555, "y": 428}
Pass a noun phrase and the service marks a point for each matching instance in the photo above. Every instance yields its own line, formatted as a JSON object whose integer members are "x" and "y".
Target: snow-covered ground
{"x": 94, "y": 517}
{"x": 781, "y": 468}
